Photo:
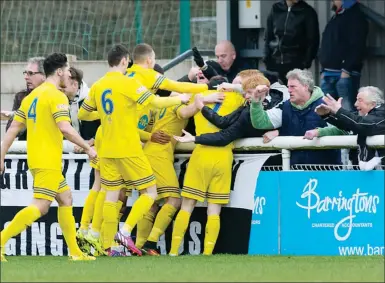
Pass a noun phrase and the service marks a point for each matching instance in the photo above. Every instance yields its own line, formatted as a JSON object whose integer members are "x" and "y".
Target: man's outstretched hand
{"x": 186, "y": 138}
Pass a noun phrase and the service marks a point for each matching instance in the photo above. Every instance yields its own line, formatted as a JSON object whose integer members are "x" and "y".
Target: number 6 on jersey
{"x": 107, "y": 104}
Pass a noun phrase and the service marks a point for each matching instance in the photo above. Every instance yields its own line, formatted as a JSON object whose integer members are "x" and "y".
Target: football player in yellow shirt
{"x": 171, "y": 121}
{"x": 122, "y": 160}
{"x": 143, "y": 71}
{"x": 94, "y": 210}
{"x": 45, "y": 113}
{"x": 208, "y": 176}
{"x": 93, "y": 207}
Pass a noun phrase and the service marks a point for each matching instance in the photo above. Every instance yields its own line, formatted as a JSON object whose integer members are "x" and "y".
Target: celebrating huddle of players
{"x": 120, "y": 160}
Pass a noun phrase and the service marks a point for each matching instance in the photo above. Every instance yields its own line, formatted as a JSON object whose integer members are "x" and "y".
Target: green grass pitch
{"x": 219, "y": 268}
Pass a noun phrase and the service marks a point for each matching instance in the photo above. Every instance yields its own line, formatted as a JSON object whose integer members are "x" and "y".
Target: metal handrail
{"x": 180, "y": 58}
{"x": 373, "y": 16}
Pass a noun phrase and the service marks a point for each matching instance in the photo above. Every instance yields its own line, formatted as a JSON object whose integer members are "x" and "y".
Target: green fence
{"x": 88, "y": 29}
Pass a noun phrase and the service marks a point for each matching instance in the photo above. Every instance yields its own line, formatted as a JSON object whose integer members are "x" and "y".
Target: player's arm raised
{"x": 171, "y": 85}
{"x": 190, "y": 110}
{"x": 143, "y": 96}
{"x": 88, "y": 111}
{"x": 60, "y": 112}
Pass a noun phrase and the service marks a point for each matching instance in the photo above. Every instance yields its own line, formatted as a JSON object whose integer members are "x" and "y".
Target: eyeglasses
{"x": 30, "y": 74}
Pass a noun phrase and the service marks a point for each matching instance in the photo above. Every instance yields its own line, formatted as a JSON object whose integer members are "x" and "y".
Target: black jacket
{"x": 343, "y": 43}
{"x": 369, "y": 125}
{"x": 292, "y": 36}
{"x": 363, "y": 126}
{"x": 237, "y": 67}
{"x": 236, "y": 125}
{"x": 16, "y": 105}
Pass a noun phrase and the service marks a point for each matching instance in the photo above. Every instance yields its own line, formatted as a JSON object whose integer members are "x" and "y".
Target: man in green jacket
{"x": 295, "y": 116}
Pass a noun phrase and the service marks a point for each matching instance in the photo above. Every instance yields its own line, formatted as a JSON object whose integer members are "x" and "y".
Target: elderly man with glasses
{"x": 34, "y": 76}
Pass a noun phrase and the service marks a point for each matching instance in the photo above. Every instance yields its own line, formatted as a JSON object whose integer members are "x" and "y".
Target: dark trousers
{"x": 347, "y": 88}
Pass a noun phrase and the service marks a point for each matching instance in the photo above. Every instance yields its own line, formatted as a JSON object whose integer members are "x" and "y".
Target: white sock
{"x": 125, "y": 232}
{"x": 95, "y": 234}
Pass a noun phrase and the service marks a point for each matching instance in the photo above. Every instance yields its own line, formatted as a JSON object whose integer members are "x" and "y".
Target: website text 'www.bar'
{"x": 367, "y": 250}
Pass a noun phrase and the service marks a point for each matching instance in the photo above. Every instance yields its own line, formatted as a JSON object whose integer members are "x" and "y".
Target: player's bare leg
{"x": 162, "y": 221}
{"x": 141, "y": 206}
{"x": 23, "y": 219}
{"x": 181, "y": 223}
{"x": 212, "y": 227}
{"x": 67, "y": 224}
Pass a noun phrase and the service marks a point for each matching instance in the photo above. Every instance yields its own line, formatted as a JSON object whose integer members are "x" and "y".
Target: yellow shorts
{"x": 130, "y": 172}
{"x": 47, "y": 183}
{"x": 95, "y": 163}
{"x": 167, "y": 183}
{"x": 208, "y": 175}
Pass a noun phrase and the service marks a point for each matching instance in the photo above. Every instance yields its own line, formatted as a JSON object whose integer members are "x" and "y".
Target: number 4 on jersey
{"x": 32, "y": 110}
{"x": 107, "y": 104}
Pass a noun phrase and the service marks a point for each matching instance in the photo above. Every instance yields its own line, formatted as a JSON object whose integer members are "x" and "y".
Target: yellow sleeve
{"x": 177, "y": 110}
{"x": 180, "y": 87}
{"x": 90, "y": 116}
{"x": 98, "y": 136}
{"x": 137, "y": 92}
{"x": 20, "y": 114}
{"x": 164, "y": 102}
{"x": 144, "y": 136}
{"x": 60, "y": 107}
{"x": 88, "y": 109}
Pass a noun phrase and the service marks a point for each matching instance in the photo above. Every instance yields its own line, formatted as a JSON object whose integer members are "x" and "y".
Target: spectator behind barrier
{"x": 34, "y": 76}
{"x": 227, "y": 65}
{"x": 238, "y": 125}
{"x": 369, "y": 120}
{"x": 342, "y": 51}
{"x": 291, "y": 37}
{"x": 295, "y": 116}
{"x": 76, "y": 91}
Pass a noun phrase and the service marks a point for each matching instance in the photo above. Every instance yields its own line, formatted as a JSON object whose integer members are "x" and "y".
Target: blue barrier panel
{"x": 332, "y": 213}
{"x": 264, "y": 223}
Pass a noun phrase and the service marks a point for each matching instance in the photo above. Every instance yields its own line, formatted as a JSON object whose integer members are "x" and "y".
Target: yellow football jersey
{"x": 231, "y": 102}
{"x": 40, "y": 111}
{"x": 143, "y": 124}
{"x": 169, "y": 121}
{"x": 98, "y": 139}
{"x": 153, "y": 80}
{"x": 115, "y": 97}
{"x": 146, "y": 118}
